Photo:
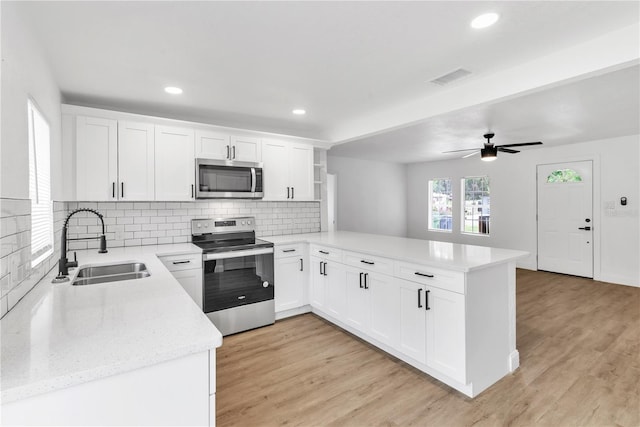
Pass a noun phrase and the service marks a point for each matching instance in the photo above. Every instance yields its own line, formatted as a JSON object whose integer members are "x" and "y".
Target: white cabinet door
{"x": 358, "y": 312}
{"x": 412, "y": 335}
{"x": 317, "y": 288}
{"x": 335, "y": 289}
{"x": 174, "y": 163}
{"x": 290, "y": 283}
{"x": 96, "y": 159}
{"x": 385, "y": 308}
{"x": 275, "y": 159}
{"x": 301, "y": 172}
{"x": 246, "y": 149}
{"x": 211, "y": 145}
{"x": 191, "y": 281}
{"x": 446, "y": 332}
{"x": 136, "y": 160}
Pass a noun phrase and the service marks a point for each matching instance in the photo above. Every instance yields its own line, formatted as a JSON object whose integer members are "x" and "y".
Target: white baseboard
{"x": 514, "y": 360}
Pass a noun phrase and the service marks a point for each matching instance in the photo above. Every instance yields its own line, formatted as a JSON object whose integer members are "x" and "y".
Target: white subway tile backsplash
{"x": 146, "y": 223}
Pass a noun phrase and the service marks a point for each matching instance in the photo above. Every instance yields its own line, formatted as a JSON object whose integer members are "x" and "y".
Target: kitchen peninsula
{"x": 447, "y": 309}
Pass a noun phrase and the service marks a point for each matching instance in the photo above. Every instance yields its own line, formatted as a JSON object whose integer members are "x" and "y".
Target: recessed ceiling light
{"x": 485, "y": 20}
{"x": 173, "y": 90}
{"x": 299, "y": 112}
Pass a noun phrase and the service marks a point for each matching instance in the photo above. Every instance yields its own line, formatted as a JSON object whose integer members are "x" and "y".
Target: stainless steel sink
{"x": 111, "y": 273}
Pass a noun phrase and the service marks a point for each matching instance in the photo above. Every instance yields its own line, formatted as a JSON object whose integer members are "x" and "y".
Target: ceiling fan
{"x": 490, "y": 151}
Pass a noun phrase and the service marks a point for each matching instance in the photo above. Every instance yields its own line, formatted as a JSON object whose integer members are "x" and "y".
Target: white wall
{"x": 372, "y": 196}
{"x": 25, "y": 72}
{"x": 513, "y": 202}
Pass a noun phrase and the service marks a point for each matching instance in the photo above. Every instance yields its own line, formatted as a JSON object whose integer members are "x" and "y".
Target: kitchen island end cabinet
{"x": 444, "y": 308}
{"x": 177, "y": 392}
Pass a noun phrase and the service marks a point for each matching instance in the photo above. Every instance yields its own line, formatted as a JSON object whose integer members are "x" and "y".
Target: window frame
{"x": 39, "y": 186}
{"x": 463, "y": 199}
{"x": 430, "y": 202}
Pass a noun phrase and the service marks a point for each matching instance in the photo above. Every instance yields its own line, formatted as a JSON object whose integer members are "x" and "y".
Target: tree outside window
{"x": 476, "y": 207}
{"x": 440, "y": 205}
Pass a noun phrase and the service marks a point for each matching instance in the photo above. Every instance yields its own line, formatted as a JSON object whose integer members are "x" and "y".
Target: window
{"x": 39, "y": 186}
{"x": 476, "y": 209}
{"x": 440, "y": 204}
{"x": 564, "y": 175}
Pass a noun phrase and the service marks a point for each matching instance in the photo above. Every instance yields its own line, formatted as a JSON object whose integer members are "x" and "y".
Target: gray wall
{"x": 372, "y": 196}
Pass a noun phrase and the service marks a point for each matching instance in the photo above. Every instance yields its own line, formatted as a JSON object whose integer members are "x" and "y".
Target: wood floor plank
{"x": 579, "y": 343}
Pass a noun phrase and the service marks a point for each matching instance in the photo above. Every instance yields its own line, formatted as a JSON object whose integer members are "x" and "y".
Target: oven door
{"x": 237, "y": 278}
{"x": 228, "y": 179}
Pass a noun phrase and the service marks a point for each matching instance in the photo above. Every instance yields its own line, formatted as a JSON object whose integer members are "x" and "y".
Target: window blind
{"x": 40, "y": 186}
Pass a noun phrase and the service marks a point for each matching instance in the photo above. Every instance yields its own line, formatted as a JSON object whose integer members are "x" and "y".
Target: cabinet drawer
{"x": 182, "y": 262}
{"x": 285, "y": 251}
{"x": 369, "y": 262}
{"x": 326, "y": 252}
{"x": 437, "y": 277}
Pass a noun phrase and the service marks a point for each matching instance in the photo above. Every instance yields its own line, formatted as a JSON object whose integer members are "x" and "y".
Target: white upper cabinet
{"x": 96, "y": 159}
{"x": 174, "y": 163}
{"x": 212, "y": 145}
{"x": 288, "y": 171}
{"x": 245, "y": 149}
{"x": 136, "y": 160}
{"x": 219, "y": 146}
{"x": 275, "y": 172}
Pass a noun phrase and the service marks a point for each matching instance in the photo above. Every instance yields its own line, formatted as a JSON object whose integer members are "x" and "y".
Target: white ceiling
{"x": 248, "y": 64}
{"x": 604, "y": 106}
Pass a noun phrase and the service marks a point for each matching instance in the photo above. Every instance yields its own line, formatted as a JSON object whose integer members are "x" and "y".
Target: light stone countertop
{"x": 61, "y": 335}
{"x": 452, "y": 256}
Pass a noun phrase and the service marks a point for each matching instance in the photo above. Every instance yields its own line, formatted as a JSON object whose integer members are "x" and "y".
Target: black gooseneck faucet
{"x": 64, "y": 263}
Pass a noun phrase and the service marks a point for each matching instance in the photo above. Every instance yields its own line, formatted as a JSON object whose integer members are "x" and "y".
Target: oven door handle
{"x": 236, "y": 254}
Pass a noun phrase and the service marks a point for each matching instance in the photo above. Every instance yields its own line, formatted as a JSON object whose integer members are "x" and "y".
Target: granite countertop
{"x": 61, "y": 335}
{"x": 452, "y": 256}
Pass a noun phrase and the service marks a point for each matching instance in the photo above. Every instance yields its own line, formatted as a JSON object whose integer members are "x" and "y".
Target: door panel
{"x": 445, "y": 333}
{"x": 246, "y": 149}
{"x": 301, "y": 163}
{"x": 358, "y": 312}
{"x": 336, "y": 291}
{"x": 564, "y": 206}
{"x": 289, "y": 284}
{"x": 275, "y": 157}
{"x": 317, "y": 283}
{"x": 385, "y": 308}
{"x": 136, "y": 158}
{"x": 210, "y": 145}
{"x": 97, "y": 159}
{"x": 175, "y": 164}
{"x": 412, "y": 320}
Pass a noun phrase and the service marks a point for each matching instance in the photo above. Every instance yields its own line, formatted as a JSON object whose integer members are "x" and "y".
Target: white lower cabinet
{"x": 446, "y": 333}
{"x": 187, "y": 269}
{"x": 373, "y": 305}
{"x": 290, "y": 277}
{"x": 317, "y": 282}
{"x": 432, "y": 327}
{"x": 335, "y": 289}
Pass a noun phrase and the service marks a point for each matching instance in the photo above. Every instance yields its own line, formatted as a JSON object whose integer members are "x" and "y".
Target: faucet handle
{"x": 73, "y": 263}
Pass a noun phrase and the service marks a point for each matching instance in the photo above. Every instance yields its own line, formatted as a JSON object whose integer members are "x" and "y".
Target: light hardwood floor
{"x": 579, "y": 343}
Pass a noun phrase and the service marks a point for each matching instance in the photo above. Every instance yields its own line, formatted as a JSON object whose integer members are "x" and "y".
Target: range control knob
{"x": 199, "y": 225}
{"x": 265, "y": 284}
{"x": 248, "y": 222}
{"x": 243, "y": 222}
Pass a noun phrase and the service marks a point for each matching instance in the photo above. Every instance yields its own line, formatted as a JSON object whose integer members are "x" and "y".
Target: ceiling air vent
{"x": 448, "y": 78}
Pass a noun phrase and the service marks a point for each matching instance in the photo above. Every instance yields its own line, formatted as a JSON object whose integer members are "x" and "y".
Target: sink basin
{"x": 111, "y": 273}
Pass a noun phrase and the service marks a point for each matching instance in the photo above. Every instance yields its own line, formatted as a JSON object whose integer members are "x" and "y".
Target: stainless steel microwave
{"x": 227, "y": 179}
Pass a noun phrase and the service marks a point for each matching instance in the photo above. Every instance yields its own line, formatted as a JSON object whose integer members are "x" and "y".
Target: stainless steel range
{"x": 238, "y": 286}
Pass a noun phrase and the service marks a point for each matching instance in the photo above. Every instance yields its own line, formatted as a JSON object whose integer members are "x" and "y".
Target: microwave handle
{"x": 253, "y": 180}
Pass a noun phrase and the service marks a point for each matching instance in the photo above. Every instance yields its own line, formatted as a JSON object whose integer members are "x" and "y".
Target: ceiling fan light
{"x": 489, "y": 154}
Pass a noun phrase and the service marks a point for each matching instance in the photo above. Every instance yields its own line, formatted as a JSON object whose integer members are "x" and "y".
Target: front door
{"x": 565, "y": 218}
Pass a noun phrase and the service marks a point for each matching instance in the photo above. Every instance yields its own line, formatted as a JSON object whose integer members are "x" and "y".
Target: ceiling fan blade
{"x": 457, "y": 151}
{"x": 469, "y": 155}
{"x": 507, "y": 150}
{"x": 522, "y": 144}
